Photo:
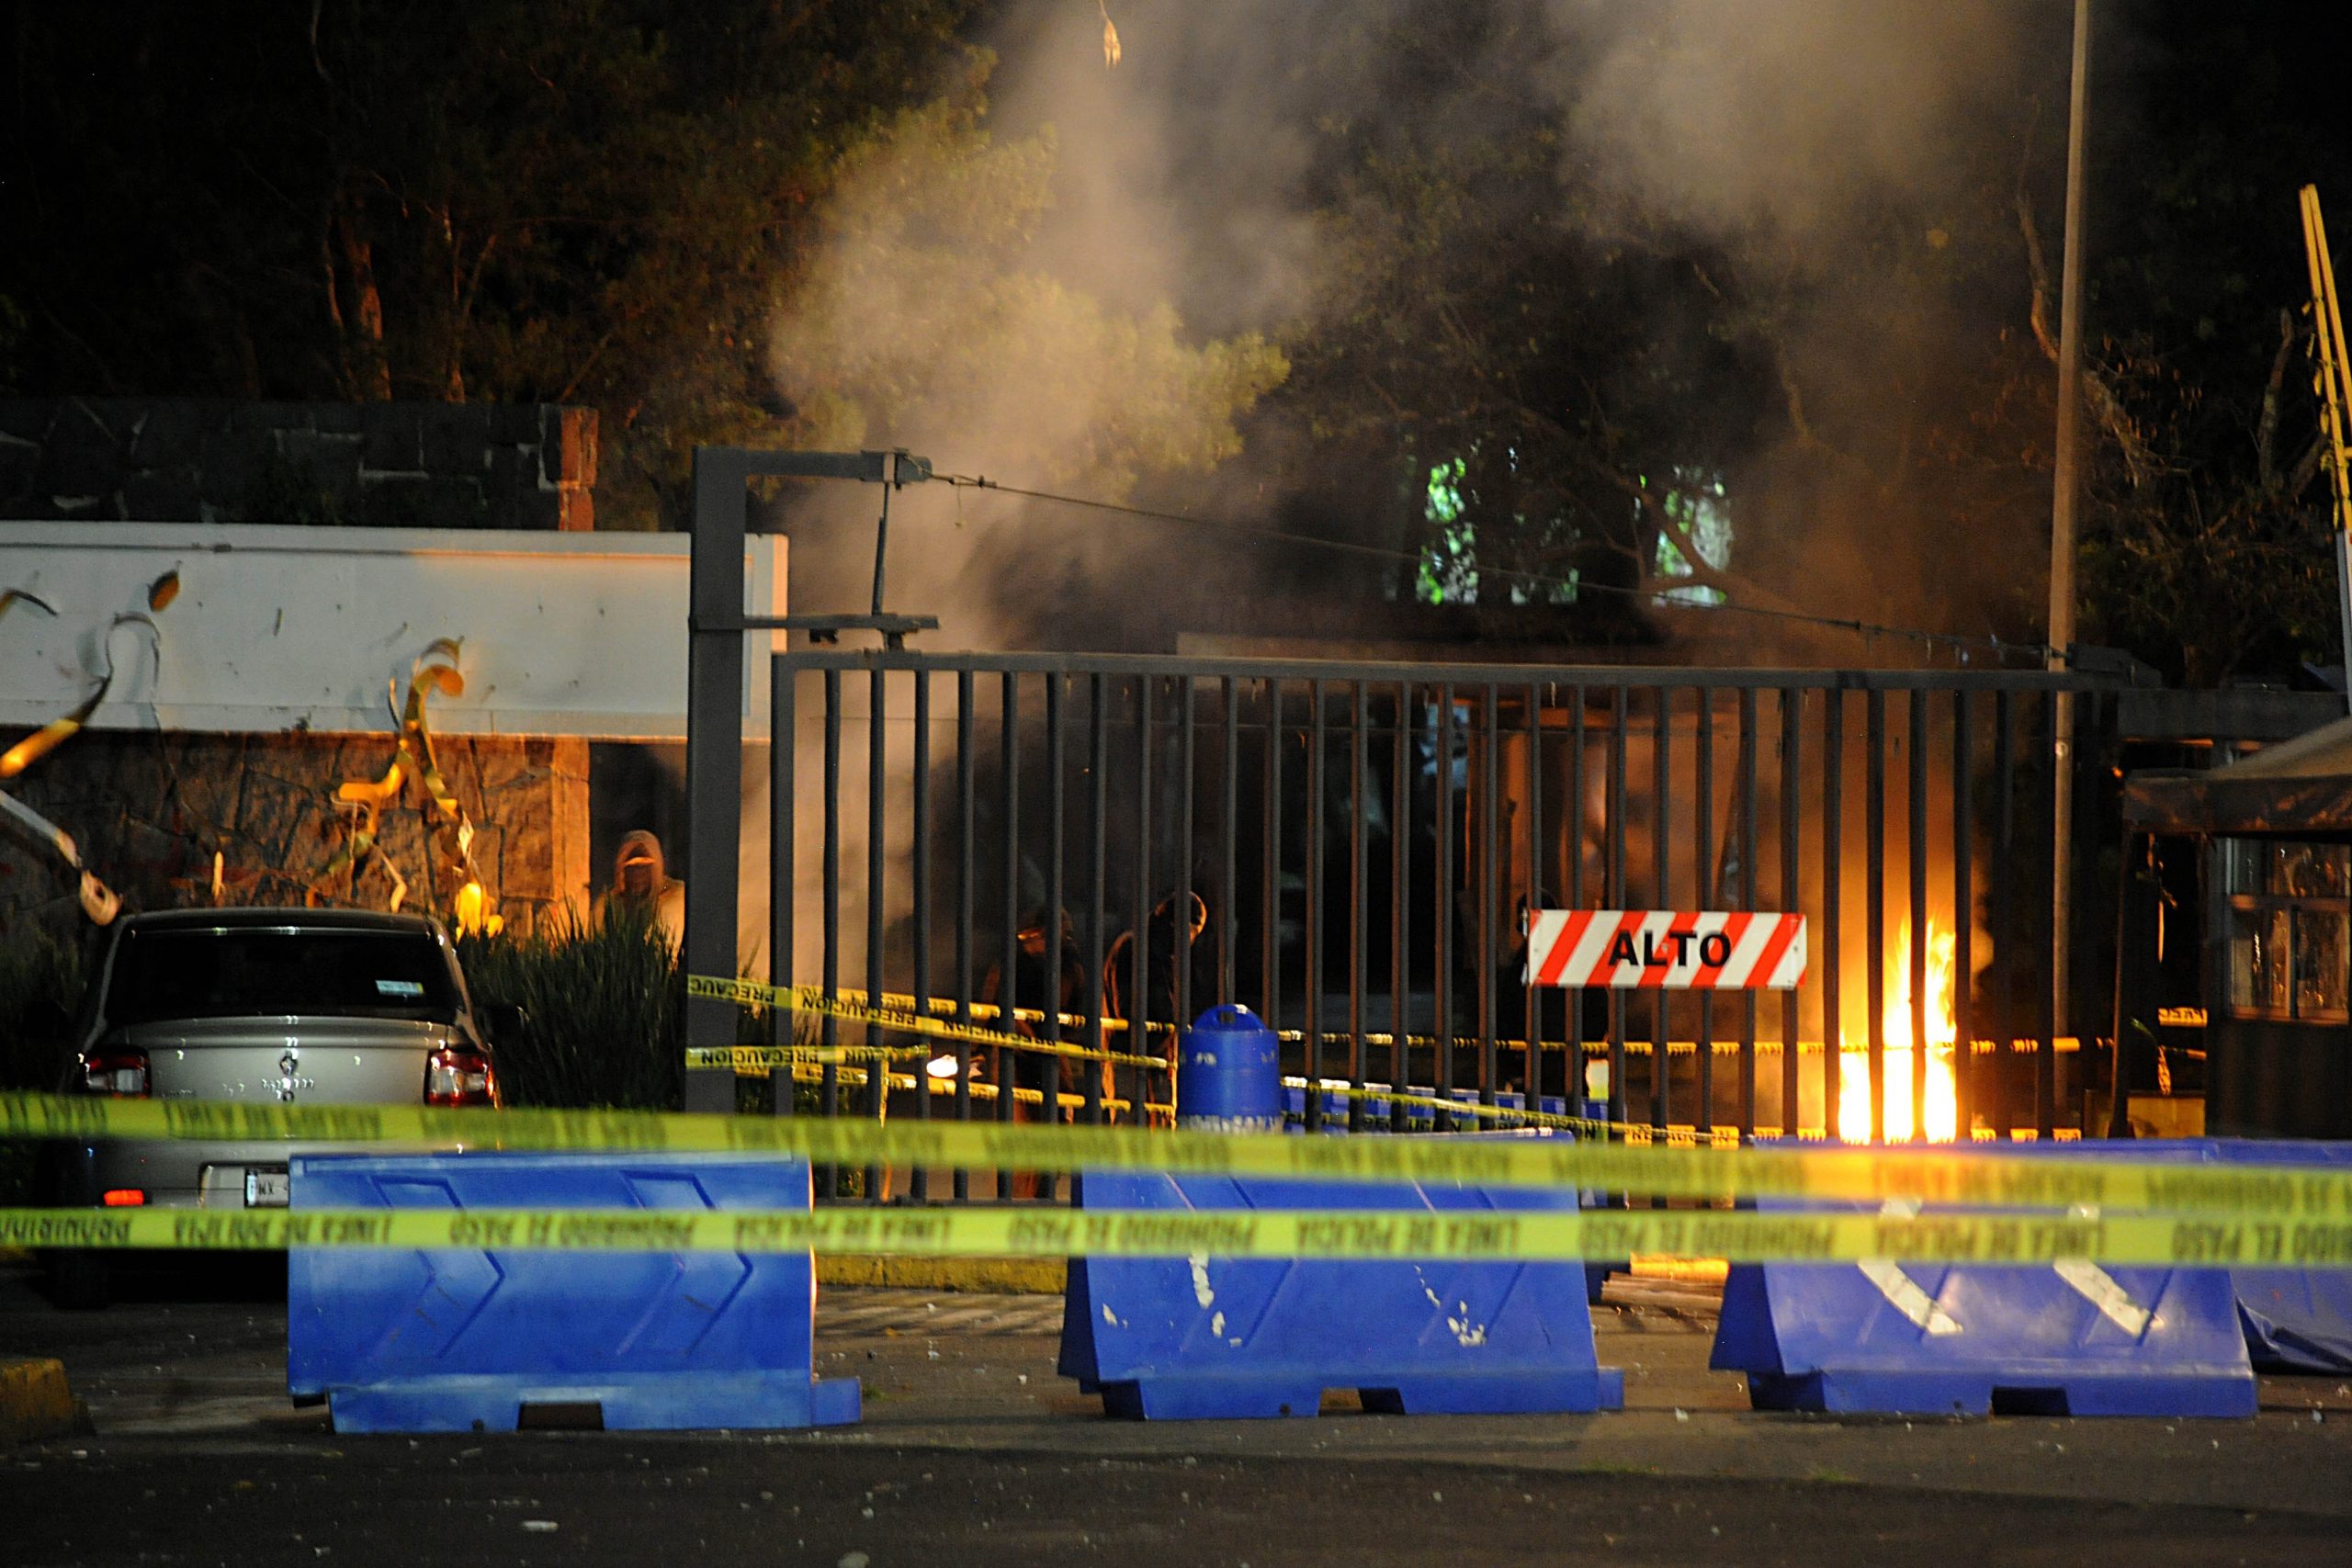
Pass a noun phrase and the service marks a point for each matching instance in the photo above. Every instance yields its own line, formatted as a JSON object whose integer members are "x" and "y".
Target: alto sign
{"x": 1680, "y": 950}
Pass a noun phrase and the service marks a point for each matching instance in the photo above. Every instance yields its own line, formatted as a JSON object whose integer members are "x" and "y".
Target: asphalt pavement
{"x": 973, "y": 1451}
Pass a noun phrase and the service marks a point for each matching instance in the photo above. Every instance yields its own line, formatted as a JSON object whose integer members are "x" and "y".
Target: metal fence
{"x": 1085, "y": 851}
{"x": 1350, "y": 849}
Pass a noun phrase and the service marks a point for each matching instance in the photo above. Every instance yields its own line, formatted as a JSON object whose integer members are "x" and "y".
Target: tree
{"x": 574, "y": 200}
{"x": 2207, "y": 548}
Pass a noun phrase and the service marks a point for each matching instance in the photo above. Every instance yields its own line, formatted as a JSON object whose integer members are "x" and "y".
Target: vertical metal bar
{"x": 1489, "y": 883}
{"x": 2135, "y": 903}
{"x": 1229, "y": 914}
{"x": 1359, "y": 884}
{"x": 1092, "y": 948}
{"x": 829, "y": 1089}
{"x": 1874, "y": 907}
{"x": 1662, "y": 896}
{"x": 920, "y": 894}
{"x": 1009, "y": 959}
{"x": 1139, "y": 950}
{"x": 965, "y": 880}
{"x": 1573, "y": 826}
{"x": 1833, "y": 860}
{"x": 1963, "y": 926}
{"x": 782, "y": 829}
{"x": 2007, "y": 938}
{"x": 1269, "y": 867}
{"x": 1057, "y": 897}
{"x": 1400, "y": 901}
{"x": 1188, "y": 719}
{"x": 1617, "y": 744}
{"x": 1916, "y": 702}
{"x": 1746, "y": 787}
{"x": 877, "y": 1071}
{"x": 1792, "y": 700}
{"x": 1312, "y": 990}
{"x": 1531, "y": 1074}
{"x": 1443, "y": 1087}
{"x": 1704, "y": 841}
{"x": 2045, "y": 1061}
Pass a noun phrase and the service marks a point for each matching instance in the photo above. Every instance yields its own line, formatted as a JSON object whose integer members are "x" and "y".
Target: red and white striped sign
{"x": 1678, "y": 950}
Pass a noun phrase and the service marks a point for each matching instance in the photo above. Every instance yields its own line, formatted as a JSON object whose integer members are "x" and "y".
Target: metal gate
{"x": 1086, "y": 850}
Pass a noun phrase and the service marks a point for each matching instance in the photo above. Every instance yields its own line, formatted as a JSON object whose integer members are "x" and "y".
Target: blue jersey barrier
{"x": 2296, "y": 1320}
{"x": 1178, "y": 1338}
{"x": 2068, "y": 1338}
{"x": 448, "y": 1340}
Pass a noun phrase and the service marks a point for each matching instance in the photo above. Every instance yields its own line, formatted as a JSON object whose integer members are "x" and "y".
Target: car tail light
{"x": 121, "y": 1073}
{"x": 457, "y": 1075}
{"x": 124, "y": 1197}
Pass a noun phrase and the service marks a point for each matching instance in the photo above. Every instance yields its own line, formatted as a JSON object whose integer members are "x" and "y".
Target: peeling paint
{"x": 1468, "y": 1335}
{"x": 1199, "y": 1262}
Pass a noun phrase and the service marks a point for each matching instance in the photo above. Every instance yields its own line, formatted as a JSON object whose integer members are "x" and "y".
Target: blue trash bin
{"x": 1228, "y": 1072}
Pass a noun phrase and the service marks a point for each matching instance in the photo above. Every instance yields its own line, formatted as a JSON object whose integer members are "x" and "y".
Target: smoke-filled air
{"x": 1739, "y": 295}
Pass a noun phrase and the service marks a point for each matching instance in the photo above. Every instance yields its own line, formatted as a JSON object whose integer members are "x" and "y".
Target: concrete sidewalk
{"x": 971, "y": 1447}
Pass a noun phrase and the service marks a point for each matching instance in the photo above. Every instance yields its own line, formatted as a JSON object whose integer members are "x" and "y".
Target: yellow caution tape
{"x": 760, "y": 1060}
{"x": 1743, "y": 1237}
{"x": 1929, "y": 1175}
{"x": 841, "y": 1005}
{"x": 933, "y": 1016}
{"x": 856, "y": 1077}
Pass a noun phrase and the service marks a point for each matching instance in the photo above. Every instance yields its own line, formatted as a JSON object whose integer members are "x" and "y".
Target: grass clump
{"x": 604, "y": 1001}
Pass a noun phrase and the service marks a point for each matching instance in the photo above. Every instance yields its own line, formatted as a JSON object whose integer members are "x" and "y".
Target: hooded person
{"x": 642, "y": 887}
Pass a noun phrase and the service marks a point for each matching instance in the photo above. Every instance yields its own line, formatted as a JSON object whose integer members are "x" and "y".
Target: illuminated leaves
{"x": 434, "y": 671}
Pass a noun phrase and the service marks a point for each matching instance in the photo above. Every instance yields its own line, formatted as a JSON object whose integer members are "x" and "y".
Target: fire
{"x": 1854, "y": 1062}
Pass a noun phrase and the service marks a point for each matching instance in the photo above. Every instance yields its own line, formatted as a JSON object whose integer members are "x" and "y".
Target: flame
{"x": 470, "y": 909}
{"x": 1854, "y": 1063}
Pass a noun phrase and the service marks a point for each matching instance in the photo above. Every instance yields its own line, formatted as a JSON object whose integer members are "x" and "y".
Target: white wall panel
{"x": 279, "y": 628}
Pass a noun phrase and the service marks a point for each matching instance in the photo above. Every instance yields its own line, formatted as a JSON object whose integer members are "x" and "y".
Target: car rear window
{"x": 163, "y": 975}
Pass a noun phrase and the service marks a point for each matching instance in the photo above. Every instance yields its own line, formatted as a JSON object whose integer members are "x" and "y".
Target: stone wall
{"x": 372, "y": 465}
{"x": 149, "y": 811}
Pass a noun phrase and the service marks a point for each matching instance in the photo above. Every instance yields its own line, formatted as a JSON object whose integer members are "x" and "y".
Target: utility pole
{"x": 2067, "y": 487}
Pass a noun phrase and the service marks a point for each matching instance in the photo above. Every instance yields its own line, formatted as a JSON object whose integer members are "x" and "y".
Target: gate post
{"x": 716, "y": 626}
{"x": 714, "y": 756}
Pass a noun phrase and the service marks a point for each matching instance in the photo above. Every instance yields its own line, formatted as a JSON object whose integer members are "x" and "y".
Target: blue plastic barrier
{"x": 2296, "y": 1320}
{"x": 1177, "y": 1338}
{"x": 1938, "y": 1339}
{"x": 449, "y": 1340}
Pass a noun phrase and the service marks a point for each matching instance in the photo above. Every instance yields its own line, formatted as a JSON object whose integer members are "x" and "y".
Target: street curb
{"x": 34, "y": 1399}
{"x": 1000, "y": 1276}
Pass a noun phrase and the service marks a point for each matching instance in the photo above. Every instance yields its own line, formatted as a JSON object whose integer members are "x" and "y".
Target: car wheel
{"x": 82, "y": 1282}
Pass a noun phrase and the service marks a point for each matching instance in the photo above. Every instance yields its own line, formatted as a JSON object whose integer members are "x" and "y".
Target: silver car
{"x": 328, "y": 1007}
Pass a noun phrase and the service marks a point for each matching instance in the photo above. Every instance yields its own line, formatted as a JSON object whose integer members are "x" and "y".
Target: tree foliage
{"x": 568, "y": 200}
{"x": 1874, "y": 384}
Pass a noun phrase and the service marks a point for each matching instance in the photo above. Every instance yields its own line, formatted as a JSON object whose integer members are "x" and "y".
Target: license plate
{"x": 266, "y": 1188}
